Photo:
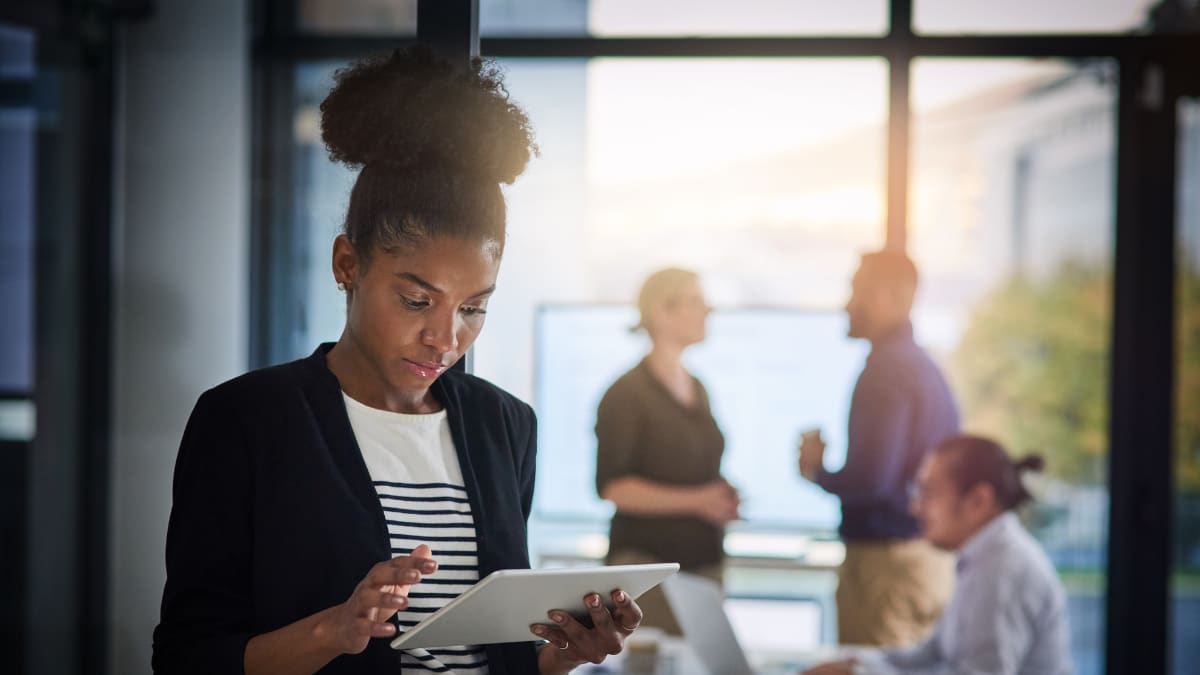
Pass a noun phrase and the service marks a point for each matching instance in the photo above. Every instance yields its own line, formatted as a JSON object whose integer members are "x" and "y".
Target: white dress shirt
{"x": 1008, "y": 615}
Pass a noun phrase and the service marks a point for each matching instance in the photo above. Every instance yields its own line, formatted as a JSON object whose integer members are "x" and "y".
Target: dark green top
{"x": 644, "y": 432}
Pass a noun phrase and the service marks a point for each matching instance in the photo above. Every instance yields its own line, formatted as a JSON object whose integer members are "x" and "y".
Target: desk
{"x": 676, "y": 657}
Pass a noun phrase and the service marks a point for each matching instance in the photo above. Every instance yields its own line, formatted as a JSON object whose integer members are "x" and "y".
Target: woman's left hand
{"x": 572, "y": 643}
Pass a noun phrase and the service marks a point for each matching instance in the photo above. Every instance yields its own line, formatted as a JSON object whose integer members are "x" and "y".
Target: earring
{"x": 341, "y": 286}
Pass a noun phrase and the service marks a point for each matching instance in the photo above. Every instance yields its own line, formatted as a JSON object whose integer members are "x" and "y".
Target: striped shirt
{"x": 415, "y": 470}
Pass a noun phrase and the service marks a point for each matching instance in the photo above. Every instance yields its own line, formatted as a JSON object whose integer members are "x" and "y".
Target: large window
{"x": 18, "y": 141}
{"x": 767, "y": 155}
{"x": 1012, "y": 221}
{"x": 18, "y": 227}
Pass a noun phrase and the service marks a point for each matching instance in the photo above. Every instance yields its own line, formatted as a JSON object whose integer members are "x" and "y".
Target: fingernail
{"x": 621, "y": 597}
{"x": 538, "y": 630}
{"x": 412, "y": 575}
{"x": 593, "y": 601}
{"x": 559, "y": 618}
{"x": 428, "y": 566}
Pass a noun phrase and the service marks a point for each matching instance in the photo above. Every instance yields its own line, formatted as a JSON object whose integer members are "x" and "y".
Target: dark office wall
{"x": 180, "y": 274}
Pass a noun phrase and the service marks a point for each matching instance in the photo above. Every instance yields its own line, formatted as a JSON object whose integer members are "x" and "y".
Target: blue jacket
{"x": 275, "y": 518}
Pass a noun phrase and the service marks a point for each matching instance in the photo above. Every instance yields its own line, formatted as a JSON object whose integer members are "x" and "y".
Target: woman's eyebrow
{"x": 419, "y": 281}
{"x": 434, "y": 289}
{"x": 486, "y": 291}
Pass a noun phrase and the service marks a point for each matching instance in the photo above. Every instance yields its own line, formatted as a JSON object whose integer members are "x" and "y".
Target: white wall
{"x": 181, "y": 281}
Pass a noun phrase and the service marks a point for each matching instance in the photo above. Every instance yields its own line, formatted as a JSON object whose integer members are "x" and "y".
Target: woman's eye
{"x": 413, "y": 304}
{"x": 474, "y": 311}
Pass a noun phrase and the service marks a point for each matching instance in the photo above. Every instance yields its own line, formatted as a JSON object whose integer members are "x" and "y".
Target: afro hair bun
{"x": 413, "y": 111}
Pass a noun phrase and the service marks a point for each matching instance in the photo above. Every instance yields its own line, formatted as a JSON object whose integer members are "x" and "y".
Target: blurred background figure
{"x": 892, "y": 586}
{"x": 1008, "y": 613}
{"x": 659, "y": 448}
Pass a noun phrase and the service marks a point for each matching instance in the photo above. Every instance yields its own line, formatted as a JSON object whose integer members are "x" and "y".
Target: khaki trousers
{"x": 891, "y": 592}
{"x": 656, "y": 611}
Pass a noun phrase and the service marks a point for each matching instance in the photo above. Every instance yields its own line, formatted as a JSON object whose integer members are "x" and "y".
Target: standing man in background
{"x": 892, "y": 586}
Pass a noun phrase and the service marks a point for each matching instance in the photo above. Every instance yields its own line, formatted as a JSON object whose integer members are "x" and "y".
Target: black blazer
{"x": 275, "y": 517}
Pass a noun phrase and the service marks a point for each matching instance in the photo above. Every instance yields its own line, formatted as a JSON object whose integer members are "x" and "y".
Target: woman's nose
{"x": 440, "y": 333}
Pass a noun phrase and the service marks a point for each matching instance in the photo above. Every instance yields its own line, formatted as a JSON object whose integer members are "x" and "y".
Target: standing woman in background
{"x": 658, "y": 457}
{"x": 322, "y": 506}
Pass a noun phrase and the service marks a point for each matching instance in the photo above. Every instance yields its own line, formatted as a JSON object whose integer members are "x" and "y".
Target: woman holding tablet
{"x": 325, "y": 505}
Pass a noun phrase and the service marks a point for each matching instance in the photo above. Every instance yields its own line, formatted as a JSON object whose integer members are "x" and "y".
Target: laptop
{"x": 699, "y": 607}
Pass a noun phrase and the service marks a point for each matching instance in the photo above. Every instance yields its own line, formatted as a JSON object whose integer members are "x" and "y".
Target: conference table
{"x": 674, "y": 656}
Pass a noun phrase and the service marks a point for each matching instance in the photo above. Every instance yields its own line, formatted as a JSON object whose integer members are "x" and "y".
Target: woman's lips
{"x": 424, "y": 368}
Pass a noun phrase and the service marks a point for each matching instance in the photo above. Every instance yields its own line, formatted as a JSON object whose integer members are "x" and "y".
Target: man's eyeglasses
{"x": 918, "y": 492}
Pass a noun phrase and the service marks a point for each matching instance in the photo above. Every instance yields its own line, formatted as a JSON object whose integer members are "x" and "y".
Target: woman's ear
{"x": 346, "y": 263}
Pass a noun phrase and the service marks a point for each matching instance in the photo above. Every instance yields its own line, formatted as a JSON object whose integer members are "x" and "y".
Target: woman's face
{"x": 683, "y": 320}
{"x": 415, "y": 310}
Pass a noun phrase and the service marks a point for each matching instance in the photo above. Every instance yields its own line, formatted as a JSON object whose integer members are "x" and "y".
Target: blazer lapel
{"x": 460, "y": 433}
{"x": 324, "y": 395}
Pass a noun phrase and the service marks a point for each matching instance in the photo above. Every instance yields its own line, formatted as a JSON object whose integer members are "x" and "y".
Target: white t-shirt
{"x": 414, "y": 468}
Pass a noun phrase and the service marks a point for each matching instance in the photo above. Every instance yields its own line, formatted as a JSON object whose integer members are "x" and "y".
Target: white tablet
{"x": 503, "y": 605}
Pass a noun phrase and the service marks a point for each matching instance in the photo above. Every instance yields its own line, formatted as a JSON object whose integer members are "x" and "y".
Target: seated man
{"x": 1008, "y": 613}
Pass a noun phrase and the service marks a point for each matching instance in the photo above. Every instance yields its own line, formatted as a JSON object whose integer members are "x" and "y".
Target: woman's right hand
{"x": 717, "y": 502}
{"x": 348, "y": 627}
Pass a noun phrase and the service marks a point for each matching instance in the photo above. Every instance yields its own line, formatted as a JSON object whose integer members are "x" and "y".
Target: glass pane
{"x": 18, "y": 146}
{"x": 681, "y": 17}
{"x": 361, "y": 17}
{"x": 533, "y": 17}
{"x": 1038, "y": 16}
{"x": 16, "y": 53}
{"x": 1012, "y": 214}
{"x": 770, "y": 194}
{"x": 320, "y": 190}
{"x": 1186, "y": 581}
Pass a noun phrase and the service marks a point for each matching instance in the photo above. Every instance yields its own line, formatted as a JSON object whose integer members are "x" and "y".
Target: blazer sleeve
{"x": 207, "y": 605}
{"x": 528, "y": 470}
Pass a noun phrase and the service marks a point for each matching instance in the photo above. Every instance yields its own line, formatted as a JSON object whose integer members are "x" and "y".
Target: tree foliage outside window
{"x": 1032, "y": 369}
